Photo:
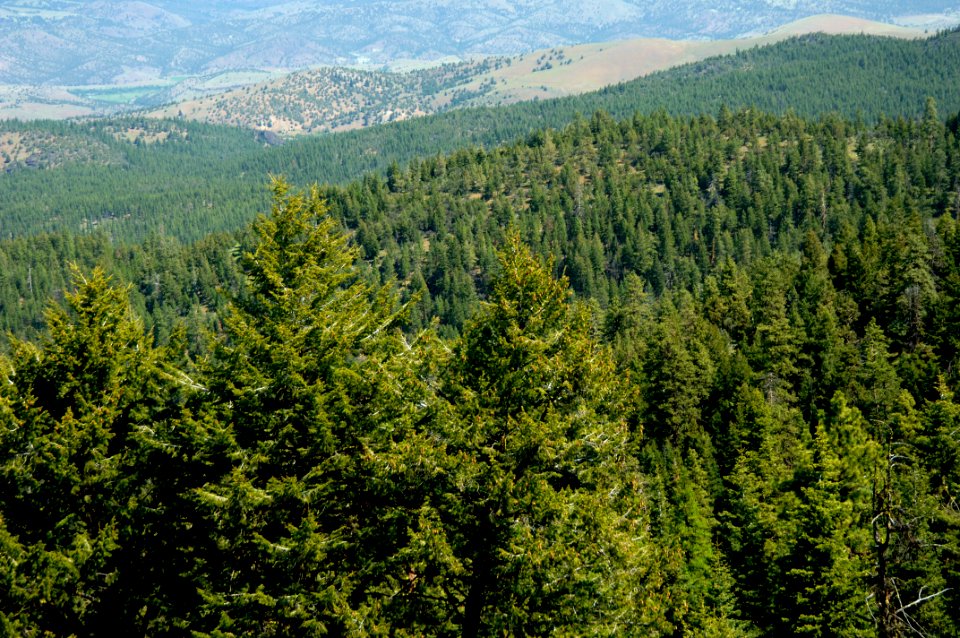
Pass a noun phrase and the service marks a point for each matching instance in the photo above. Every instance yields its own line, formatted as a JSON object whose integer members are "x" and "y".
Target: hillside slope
{"x": 211, "y": 178}
{"x": 745, "y": 411}
{"x": 338, "y": 99}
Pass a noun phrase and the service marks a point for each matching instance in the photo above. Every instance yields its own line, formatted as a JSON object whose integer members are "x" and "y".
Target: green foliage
{"x": 545, "y": 509}
{"x": 317, "y": 391}
{"x": 74, "y": 407}
{"x": 701, "y": 590}
{"x": 208, "y": 178}
{"x": 735, "y": 417}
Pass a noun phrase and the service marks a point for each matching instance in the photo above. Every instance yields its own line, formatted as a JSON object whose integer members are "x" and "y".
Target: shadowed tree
{"x": 543, "y": 511}
{"x": 73, "y": 410}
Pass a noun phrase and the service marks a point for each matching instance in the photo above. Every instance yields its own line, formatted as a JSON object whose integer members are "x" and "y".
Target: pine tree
{"x": 941, "y": 452}
{"x": 316, "y": 389}
{"x": 677, "y": 376}
{"x": 543, "y": 511}
{"x": 759, "y": 518}
{"x": 73, "y": 408}
{"x": 913, "y": 535}
{"x": 824, "y": 576}
{"x": 701, "y": 588}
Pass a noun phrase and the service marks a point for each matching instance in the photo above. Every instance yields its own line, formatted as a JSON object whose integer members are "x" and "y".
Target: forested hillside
{"x": 337, "y": 98}
{"x": 208, "y": 179}
{"x": 721, "y": 401}
{"x": 331, "y": 99}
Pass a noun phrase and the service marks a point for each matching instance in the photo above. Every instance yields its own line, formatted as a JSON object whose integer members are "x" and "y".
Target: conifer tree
{"x": 913, "y": 535}
{"x": 543, "y": 511}
{"x": 824, "y": 575}
{"x": 760, "y": 521}
{"x": 941, "y": 452}
{"x": 72, "y": 410}
{"x": 315, "y": 387}
{"x": 700, "y": 586}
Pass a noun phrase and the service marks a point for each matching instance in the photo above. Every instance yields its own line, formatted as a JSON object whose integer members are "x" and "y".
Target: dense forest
{"x": 205, "y": 179}
{"x": 657, "y": 375}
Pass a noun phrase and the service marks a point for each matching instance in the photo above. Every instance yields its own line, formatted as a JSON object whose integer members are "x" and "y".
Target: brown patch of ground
{"x": 143, "y": 135}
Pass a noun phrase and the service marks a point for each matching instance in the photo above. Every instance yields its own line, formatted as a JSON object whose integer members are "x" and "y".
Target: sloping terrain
{"x": 338, "y": 99}
{"x": 749, "y": 396}
{"x": 587, "y": 67}
{"x": 210, "y": 178}
{"x": 40, "y": 149}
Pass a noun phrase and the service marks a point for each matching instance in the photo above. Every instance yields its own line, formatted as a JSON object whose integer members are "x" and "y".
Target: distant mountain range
{"x": 109, "y": 42}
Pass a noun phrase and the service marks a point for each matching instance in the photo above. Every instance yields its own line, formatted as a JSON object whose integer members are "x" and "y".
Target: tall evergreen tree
{"x": 73, "y": 408}
{"x": 316, "y": 387}
{"x": 544, "y": 510}
{"x": 825, "y": 572}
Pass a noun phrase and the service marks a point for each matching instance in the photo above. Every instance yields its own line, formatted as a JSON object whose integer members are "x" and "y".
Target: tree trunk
{"x": 477, "y": 597}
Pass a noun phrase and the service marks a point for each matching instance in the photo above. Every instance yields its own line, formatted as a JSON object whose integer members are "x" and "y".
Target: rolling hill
{"x": 340, "y": 99}
{"x": 66, "y": 58}
{"x": 210, "y": 178}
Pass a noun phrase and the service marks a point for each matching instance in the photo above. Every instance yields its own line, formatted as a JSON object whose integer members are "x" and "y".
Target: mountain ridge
{"x": 209, "y": 178}
{"x": 336, "y": 99}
